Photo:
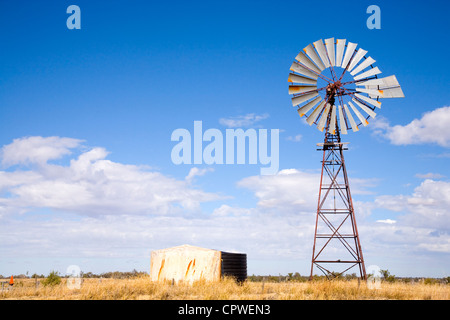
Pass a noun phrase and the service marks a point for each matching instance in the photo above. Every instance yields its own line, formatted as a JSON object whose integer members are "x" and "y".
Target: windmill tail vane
{"x": 337, "y": 106}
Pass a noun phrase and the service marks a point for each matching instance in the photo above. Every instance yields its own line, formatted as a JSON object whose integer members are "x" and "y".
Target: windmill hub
{"x": 333, "y": 89}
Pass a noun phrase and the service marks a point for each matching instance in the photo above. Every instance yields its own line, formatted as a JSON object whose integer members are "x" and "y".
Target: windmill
{"x": 337, "y": 88}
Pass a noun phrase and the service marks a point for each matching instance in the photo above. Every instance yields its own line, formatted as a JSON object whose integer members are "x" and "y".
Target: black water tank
{"x": 234, "y": 265}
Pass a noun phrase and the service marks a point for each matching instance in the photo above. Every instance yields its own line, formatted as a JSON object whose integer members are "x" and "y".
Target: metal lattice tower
{"x": 336, "y": 238}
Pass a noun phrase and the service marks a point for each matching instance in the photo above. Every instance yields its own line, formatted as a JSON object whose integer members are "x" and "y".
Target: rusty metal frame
{"x": 333, "y": 167}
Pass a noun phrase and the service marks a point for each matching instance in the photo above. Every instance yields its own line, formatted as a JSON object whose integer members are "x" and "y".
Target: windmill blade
{"x": 358, "y": 114}
{"x": 348, "y": 54}
{"x": 350, "y": 118}
{"x": 309, "y": 50}
{"x": 329, "y": 45}
{"x": 301, "y": 89}
{"x": 385, "y": 93}
{"x": 301, "y": 79}
{"x": 387, "y": 87}
{"x": 302, "y": 58}
{"x": 332, "y": 128}
{"x": 323, "y": 120}
{"x": 371, "y": 72}
{"x": 368, "y": 100}
{"x": 342, "y": 123}
{"x": 390, "y": 81}
{"x": 340, "y": 47}
{"x": 362, "y": 66}
{"x": 297, "y": 67}
{"x": 300, "y": 99}
{"x": 312, "y": 117}
{"x": 303, "y": 110}
{"x": 366, "y": 109}
{"x": 385, "y": 82}
{"x": 374, "y": 92}
{"x": 320, "y": 47}
{"x": 358, "y": 56}
{"x": 371, "y": 92}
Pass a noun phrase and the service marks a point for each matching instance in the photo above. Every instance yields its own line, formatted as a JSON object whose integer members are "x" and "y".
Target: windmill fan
{"x": 337, "y": 106}
{"x": 343, "y": 57}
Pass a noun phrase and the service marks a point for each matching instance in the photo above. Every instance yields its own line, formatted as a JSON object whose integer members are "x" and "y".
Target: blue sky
{"x": 87, "y": 117}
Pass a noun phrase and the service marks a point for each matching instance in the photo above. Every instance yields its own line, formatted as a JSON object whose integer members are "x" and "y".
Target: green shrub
{"x": 387, "y": 276}
{"x": 430, "y": 281}
{"x": 52, "y": 279}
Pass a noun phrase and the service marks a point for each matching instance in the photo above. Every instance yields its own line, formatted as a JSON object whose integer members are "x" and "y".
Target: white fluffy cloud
{"x": 37, "y": 150}
{"x": 388, "y": 221}
{"x": 289, "y": 189}
{"x": 422, "y": 220}
{"x": 429, "y": 175}
{"x": 294, "y": 190}
{"x": 426, "y": 207}
{"x": 194, "y": 172}
{"x": 90, "y": 184}
{"x": 432, "y": 127}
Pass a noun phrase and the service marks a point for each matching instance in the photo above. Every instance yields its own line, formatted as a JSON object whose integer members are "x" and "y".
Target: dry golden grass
{"x": 141, "y": 288}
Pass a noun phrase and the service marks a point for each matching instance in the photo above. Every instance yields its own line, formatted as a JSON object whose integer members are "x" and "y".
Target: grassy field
{"x": 141, "y": 288}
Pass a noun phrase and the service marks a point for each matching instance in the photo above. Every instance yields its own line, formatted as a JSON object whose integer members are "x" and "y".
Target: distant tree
{"x": 123, "y": 275}
{"x": 317, "y": 277}
{"x": 351, "y": 276}
{"x": 430, "y": 281}
{"x": 387, "y": 276}
{"x": 89, "y": 275}
{"x": 52, "y": 279}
